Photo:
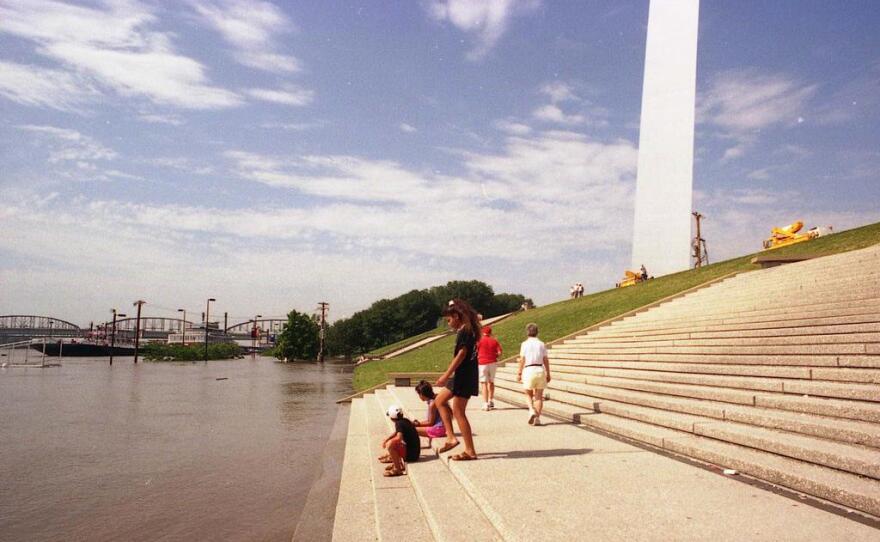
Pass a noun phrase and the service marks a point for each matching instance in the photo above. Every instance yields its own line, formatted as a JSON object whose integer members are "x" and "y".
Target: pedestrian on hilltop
{"x": 460, "y": 381}
{"x": 534, "y": 372}
{"x": 489, "y": 349}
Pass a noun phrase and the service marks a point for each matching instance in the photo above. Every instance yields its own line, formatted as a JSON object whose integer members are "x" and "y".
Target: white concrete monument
{"x": 662, "y": 232}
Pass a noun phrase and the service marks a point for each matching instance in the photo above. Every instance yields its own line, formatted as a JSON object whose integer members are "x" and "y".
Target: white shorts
{"x": 534, "y": 377}
{"x": 487, "y": 372}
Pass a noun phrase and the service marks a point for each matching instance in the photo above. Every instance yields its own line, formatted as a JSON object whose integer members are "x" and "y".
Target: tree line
{"x": 389, "y": 320}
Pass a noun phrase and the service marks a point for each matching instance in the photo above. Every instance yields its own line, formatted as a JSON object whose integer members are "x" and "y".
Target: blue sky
{"x": 273, "y": 155}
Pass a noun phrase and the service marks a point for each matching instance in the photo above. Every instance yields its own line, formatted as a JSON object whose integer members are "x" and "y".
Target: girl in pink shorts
{"x": 432, "y": 427}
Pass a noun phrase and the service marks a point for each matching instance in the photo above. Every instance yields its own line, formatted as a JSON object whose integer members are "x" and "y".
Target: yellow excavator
{"x": 630, "y": 278}
{"x": 791, "y": 234}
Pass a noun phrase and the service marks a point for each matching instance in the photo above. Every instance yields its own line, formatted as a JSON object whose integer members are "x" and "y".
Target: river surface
{"x": 162, "y": 451}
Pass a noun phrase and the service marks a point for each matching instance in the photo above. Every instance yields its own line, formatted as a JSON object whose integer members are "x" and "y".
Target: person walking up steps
{"x": 460, "y": 379}
{"x": 534, "y": 372}
{"x": 489, "y": 349}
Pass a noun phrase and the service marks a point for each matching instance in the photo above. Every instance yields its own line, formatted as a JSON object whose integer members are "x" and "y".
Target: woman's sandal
{"x": 393, "y": 472}
{"x": 385, "y": 459}
{"x": 463, "y": 457}
{"x": 446, "y": 447}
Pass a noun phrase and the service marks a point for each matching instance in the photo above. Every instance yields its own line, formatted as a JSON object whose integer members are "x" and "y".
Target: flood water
{"x": 162, "y": 451}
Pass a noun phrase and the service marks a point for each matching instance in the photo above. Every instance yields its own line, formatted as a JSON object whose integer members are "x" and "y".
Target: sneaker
{"x": 532, "y": 418}
{"x": 485, "y": 406}
{"x": 537, "y": 421}
{"x": 491, "y": 405}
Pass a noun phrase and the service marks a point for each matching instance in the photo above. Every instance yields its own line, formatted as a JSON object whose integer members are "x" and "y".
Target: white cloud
{"x": 552, "y": 113}
{"x": 41, "y": 87}
{"x": 292, "y": 126}
{"x": 487, "y": 20}
{"x": 152, "y": 118}
{"x": 252, "y": 27}
{"x": 408, "y": 128}
{"x": 566, "y": 182}
{"x": 558, "y": 91}
{"x": 270, "y": 62}
{"x": 740, "y": 101}
{"x": 286, "y": 95}
{"x": 513, "y": 127}
{"x": 115, "y": 48}
{"x": 70, "y": 145}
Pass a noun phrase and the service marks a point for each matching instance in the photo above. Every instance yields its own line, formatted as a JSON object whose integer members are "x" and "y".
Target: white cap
{"x": 394, "y": 412}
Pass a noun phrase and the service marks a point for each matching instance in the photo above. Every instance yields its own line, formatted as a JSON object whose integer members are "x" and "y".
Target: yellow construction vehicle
{"x": 630, "y": 278}
{"x": 791, "y": 234}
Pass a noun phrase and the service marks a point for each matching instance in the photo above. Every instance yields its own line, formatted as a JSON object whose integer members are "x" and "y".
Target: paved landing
{"x": 559, "y": 480}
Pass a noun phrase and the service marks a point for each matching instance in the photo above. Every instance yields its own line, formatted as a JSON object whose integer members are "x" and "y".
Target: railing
{"x": 18, "y": 354}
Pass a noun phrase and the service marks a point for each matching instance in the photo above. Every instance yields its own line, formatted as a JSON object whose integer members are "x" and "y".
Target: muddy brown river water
{"x": 162, "y": 451}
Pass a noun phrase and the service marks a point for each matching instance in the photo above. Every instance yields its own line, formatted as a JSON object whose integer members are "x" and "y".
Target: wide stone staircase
{"x": 773, "y": 373}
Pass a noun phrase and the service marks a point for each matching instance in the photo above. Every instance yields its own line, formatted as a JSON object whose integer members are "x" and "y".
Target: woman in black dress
{"x": 460, "y": 382}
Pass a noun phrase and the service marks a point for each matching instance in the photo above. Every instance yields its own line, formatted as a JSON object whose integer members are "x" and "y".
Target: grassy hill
{"x": 387, "y": 349}
{"x": 566, "y": 317}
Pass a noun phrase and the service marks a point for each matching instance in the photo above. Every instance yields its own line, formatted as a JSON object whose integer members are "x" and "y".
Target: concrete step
{"x": 849, "y": 457}
{"x": 448, "y": 509}
{"x": 705, "y": 401}
{"x": 728, "y": 318}
{"x": 804, "y": 360}
{"x": 579, "y": 366}
{"x": 399, "y": 514}
{"x": 840, "y": 329}
{"x": 356, "y": 502}
{"x": 787, "y": 349}
{"x": 681, "y": 414}
{"x": 862, "y": 392}
{"x": 729, "y": 340}
{"x": 699, "y": 326}
{"x": 587, "y": 366}
{"x": 747, "y": 300}
{"x": 826, "y": 483}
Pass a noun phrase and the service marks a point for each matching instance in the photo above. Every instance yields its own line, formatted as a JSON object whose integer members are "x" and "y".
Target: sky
{"x": 276, "y": 154}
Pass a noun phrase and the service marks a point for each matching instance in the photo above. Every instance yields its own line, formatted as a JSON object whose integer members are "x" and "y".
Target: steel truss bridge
{"x": 19, "y": 327}
{"x": 22, "y": 327}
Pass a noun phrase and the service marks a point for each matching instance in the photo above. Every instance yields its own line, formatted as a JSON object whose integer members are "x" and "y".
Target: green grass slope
{"x": 387, "y": 349}
{"x": 566, "y": 317}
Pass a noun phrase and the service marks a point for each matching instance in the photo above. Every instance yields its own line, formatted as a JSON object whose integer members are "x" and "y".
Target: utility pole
{"x": 183, "y": 328}
{"x": 324, "y": 307}
{"x": 137, "y": 329}
{"x": 225, "y": 322}
{"x": 701, "y": 255}
{"x": 207, "y": 315}
{"x": 113, "y": 333}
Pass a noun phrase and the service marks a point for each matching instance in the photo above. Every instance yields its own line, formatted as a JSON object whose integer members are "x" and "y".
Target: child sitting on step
{"x": 432, "y": 427}
{"x": 402, "y": 445}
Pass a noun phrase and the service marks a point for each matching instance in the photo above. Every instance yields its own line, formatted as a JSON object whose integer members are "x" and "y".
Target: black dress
{"x": 466, "y": 381}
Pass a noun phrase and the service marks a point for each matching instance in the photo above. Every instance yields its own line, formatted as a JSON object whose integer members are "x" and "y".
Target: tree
{"x": 478, "y": 294}
{"x": 504, "y": 303}
{"x": 300, "y": 337}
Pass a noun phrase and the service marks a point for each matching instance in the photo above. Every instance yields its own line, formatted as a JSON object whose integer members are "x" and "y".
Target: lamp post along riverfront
{"x": 254, "y": 333}
{"x": 323, "y": 306}
{"x": 113, "y": 333}
{"x": 183, "y": 328}
{"x": 137, "y": 329}
{"x": 207, "y": 317}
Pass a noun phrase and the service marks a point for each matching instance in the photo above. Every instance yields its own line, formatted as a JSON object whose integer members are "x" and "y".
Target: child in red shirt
{"x": 488, "y": 351}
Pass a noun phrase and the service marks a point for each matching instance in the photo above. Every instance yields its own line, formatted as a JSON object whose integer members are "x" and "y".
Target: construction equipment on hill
{"x": 630, "y": 278}
{"x": 789, "y": 235}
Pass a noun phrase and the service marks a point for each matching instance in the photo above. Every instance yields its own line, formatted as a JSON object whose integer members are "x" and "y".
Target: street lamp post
{"x": 207, "y": 319}
{"x": 254, "y": 337}
{"x": 113, "y": 333}
{"x": 183, "y": 327}
{"x": 137, "y": 329}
